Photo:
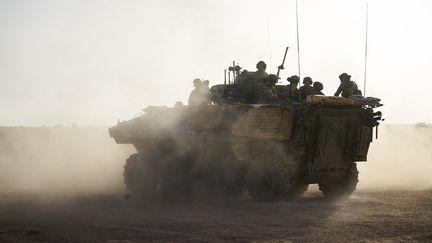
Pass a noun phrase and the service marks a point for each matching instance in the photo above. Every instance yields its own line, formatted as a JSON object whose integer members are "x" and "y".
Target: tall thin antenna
{"x": 268, "y": 38}
{"x": 366, "y": 49}
{"x": 233, "y": 69}
{"x": 225, "y": 76}
{"x": 298, "y": 41}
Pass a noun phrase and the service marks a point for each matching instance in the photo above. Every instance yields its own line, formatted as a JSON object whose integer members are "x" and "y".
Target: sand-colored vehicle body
{"x": 271, "y": 151}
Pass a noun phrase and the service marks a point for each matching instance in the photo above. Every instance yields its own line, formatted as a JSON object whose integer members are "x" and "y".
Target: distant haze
{"x": 61, "y": 161}
{"x": 96, "y": 61}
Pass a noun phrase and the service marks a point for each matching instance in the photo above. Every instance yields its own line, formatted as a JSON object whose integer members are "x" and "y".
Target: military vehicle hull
{"x": 270, "y": 151}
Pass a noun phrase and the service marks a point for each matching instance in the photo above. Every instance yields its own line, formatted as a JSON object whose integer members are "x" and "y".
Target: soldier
{"x": 205, "y": 86}
{"x": 347, "y": 87}
{"x": 254, "y": 85}
{"x": 241, "y": 79}
{"x": 196, "y": 96}
{"x": 291, "y": 91}
{"x": 205, "y": 91}
{"x": 318, "y": 87}
{"x": 307, "y": 88}
{"x": 268, "y": 92}
{"x": 261, "y": 70}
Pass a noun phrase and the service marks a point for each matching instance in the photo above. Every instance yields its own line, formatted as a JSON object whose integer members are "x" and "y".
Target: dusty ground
{"x": 366, "y": 216}
{"x": 39, "y": 161}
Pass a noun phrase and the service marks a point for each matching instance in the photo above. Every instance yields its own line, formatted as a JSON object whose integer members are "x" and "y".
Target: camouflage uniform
{"x": 196, "y": 97}
{"x": 205, "y": 92}
{"x": 268, "y": 91}
{"x": 307, "y": 88}
{"x": 290, "y": 91}
{"x": 261, "y": 67}
{"x": 346, "y": 87}
{"x": 254, "y": 86}
{"x": 318, "y": 87}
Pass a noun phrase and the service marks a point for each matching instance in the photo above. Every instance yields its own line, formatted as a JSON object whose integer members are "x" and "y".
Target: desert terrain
{"x": 64, "y": 184}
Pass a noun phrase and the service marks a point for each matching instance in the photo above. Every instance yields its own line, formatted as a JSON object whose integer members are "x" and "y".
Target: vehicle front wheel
{"x": 139, "y": 175}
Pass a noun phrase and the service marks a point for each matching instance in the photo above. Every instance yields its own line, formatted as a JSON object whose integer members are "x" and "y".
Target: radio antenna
{"x": 225, "y": 77}
{"x": 268, "y": 37}
{"x": 298, "y": 42}
{"x": 366, "y": 49}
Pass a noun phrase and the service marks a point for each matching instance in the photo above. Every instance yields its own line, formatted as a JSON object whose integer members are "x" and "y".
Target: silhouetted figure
{"x": 318, "y": 87}
{"x": 252, "y": 83}
{"x": 268, "y": 92}
{"x": 291, "y": 91}
{"x": 197, "y": 96}
{"x": 307, "y": 88}
{"x": 205, "y": 91}
{"x": 347, "y": 87}
{"x": 261, "y": 70}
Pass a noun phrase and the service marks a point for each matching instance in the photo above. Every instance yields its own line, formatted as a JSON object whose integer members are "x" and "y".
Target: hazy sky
{"x": 93, "y": 62}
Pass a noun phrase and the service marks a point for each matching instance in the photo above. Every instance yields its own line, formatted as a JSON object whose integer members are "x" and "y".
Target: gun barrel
{"x": 283, "y": 62}
{"x": 286, "y": 51}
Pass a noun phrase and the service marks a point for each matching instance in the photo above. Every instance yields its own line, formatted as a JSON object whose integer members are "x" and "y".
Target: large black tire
{"x": 140, "y": 176}
{"x": 210, "y": 180}
{"x": 173, "y": 177}
{"x": 234, "y": 173}
{"x": 218, "y": 175}
{"x": 272, "y": 177}
{"x": 342, "y": 186}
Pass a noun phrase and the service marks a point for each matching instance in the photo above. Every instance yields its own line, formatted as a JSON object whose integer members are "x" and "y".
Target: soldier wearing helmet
{"x": 318, "y": 87}
{"x": 196, "y": 96}
{"x": 347, "y": 87}
{"x": 268, "y": 92}
{"x": 291, "y": 91}
{"x": 205, "y": 91}
{"x": 307, "y": 88}
{"x": 261, "y": 70}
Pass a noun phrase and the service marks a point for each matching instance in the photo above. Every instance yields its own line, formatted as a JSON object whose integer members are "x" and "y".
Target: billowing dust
{"x": 401, "y": 158}
{"x": 60, "y": 160}
{"x": 74, "y": 160}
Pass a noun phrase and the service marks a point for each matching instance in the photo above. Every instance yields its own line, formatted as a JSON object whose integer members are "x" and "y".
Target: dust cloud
{"x": 85, "y": 160}
{"x": 60, "y": 161}
{"x": 400, "y": 159}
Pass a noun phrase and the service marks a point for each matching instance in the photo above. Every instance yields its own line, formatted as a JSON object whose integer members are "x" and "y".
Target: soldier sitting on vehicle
{"x": 317, "y": 88}
{"x": 261, "y": 70}
{"x": 205, "y": 91}
{"x": 291, "y": 92}
{"x": 205, "y": 85}
{"x": 243, "y": 77}
{"x": 251, "y": 84}
{"x": 307, "y": 88}
{"x": 347, "y": 87}
{"x": 197, "y": 97}
{"x": 268, "y": 92}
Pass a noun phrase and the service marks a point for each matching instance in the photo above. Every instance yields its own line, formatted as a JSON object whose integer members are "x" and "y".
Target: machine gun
{"x": 281, "y": 67}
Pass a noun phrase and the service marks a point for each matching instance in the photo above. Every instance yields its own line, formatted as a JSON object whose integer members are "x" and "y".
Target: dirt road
{"x": 366, "y": 216}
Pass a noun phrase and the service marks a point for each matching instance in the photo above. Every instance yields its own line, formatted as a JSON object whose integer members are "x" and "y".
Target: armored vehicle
{"x": 235, "y": 145}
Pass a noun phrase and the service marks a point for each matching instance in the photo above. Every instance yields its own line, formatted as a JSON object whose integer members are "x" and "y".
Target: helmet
{"x": 294, "y": 79}
{"x": 344, "y": 75}
{"x": 196, "y": 81}
{"x": 318, "y": 85}
{"x": 307, "y": 80}
{"x": 261, "y": 63}
{"x": 272, "y": 78}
